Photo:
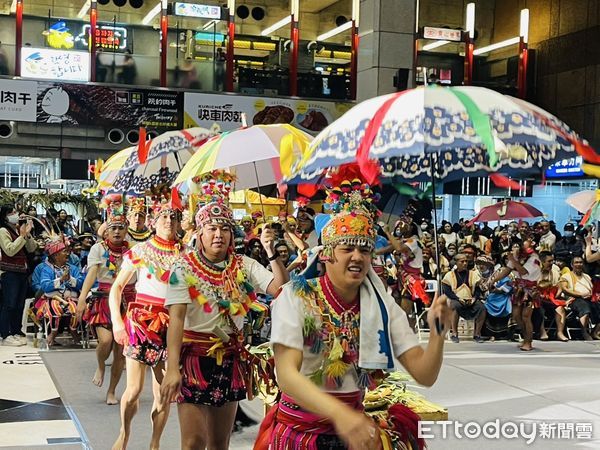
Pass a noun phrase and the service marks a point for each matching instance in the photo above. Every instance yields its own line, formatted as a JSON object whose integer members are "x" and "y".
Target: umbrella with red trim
{"x": 506, "y": 210}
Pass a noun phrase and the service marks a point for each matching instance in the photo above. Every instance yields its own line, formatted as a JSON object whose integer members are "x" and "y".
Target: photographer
{"x": 15, "y": 242}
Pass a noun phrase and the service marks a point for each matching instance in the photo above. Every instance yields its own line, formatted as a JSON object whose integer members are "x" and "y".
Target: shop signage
{"x": 206, "y": 110}
{"x": 444, "y": 34}
{"x": 44, "y": 63}
{"x": 80, "y": 104}
{"x": 196, "y": 10}
{"x": 566, "y": 168}
{"x": 18, "y": 100}
{"x": 108, "y": 37}
{"x": 59, "y": 36}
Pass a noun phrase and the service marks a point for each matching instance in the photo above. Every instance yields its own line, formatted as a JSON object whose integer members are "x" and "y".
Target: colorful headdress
{"x": 212, "y": 203}
{"x": 136, "y": 205}
{"x": 353, "y": 218}
{"x": 55, "y": 244}
{"x": 115, "y": 210}
{"x": 166, "y": 203}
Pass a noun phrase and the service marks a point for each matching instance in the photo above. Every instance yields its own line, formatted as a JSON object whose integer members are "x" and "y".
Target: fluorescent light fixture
{"x": 356, "y": 11}
{"x": 231, "y": 6}
{"x": 335, "y": 31}
{"x": 210, "y": 24}
{"x": 502, "y": 44}
{"x": 276, "y": 26}
{"x": 152, "y": 14}
{"x": 13, "y": 6}
{"x": 470, "y": 22}
{"x": 435, "y": 44}
{"x": 84, "y": 9}
{"x": 165, "y": 4}
{"x": 295, "y": 8}
{"x": 524, "y": 25}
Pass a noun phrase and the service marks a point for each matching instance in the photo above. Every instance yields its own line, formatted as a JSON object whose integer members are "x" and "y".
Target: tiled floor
{"x": 479, "y": 382}
{"x": 31, "y": 411}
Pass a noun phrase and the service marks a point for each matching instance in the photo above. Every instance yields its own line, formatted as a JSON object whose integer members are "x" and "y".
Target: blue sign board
{"x": 566, "y": 168}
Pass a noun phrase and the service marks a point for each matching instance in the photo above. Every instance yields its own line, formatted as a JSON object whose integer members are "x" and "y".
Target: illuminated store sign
{"x": 50, "y": 64}
{"x": 59, "y": 36}
{"x": 108, "y": 37}
{"x": 199, "y": 11}
{"x": 445, "y": 34}
{"x": 566, "y": 168}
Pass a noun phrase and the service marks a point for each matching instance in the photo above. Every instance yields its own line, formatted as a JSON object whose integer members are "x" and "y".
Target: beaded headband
{"x": 137, "y": 205}
{"x": 214, "y": 192}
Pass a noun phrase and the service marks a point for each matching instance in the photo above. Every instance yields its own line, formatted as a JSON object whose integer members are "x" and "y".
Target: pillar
{"x": 387, "y": 34}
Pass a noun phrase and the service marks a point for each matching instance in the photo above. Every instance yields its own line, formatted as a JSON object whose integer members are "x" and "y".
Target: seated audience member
{"x": 569, "y": 245}
{"x": 577, "y": 286}
{"x": 60, "y": 284}
{"x": 548, "y": 286}
{"x": 476, "y": 239}
{"x": 547, "y": 238}
{"x": 495, "y": 287}
{"x": 459, "y": 286}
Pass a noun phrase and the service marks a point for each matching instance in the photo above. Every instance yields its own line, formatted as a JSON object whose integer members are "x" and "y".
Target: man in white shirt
{"x": 547, "y": 239}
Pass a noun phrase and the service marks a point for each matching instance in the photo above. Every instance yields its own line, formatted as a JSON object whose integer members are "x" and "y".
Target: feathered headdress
{"x": 166, "y": 203}
{"x": 136, "y": 205}
{"x": 55, "y": 244}
{"x": 215, "y": 187}
{"x": 115, "y": 210}
{"x": 352, "y": 221}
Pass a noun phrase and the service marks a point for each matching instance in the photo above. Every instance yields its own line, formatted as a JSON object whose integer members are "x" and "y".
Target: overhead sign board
{"x": 198, "y": 11}
{"x": 443, "y": 34}
{"x": 18, "y": 100}
{"x": 566, "y": 168}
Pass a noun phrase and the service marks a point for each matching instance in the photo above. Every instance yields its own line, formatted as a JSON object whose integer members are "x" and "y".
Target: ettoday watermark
{"x": 497, "y": 429}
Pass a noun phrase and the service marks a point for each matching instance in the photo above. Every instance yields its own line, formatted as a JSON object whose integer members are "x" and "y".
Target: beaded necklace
{"x": 210, "y": 284}
{"x": 139, "y": 236}
{"x": 114, "y": 256}
{"x": 157, "y": 255}
{"x": 336, "y": 336}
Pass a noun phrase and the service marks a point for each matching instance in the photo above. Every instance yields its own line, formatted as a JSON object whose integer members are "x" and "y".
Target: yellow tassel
{"x": 190, "y": 280}
{"x": 337, "y": 351}
{"x": 336, "y": 369}
{"x": 240, "y": 276}
{"x": 591, "y": 170}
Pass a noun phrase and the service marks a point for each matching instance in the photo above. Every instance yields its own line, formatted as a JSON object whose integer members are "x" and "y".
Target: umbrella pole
{"x": 262, "y": 207}
{"x": 393, "y": 208}
{"x": 435, "y": 230}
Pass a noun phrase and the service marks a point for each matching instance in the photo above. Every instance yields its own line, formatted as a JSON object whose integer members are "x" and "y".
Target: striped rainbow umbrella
{"x": 461, "y": 131}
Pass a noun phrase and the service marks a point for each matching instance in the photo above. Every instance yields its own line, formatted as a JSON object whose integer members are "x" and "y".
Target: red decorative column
{"x": 354, "y": 61}
{"x": 230, "y": 63}
{"x": 523, "y": 54}
{"x": 469, "y": 47}
{"x": 93, "y": 28}
{"x": 294, "y": 37}
{"x": 18, "y": 37}
{"x": 164, "y": 36}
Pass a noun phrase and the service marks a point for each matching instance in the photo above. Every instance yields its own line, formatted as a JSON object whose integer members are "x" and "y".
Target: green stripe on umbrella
{"x": 481, "y": 124}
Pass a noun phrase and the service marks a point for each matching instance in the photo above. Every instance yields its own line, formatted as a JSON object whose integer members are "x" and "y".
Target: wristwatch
{"x": 275, "y": 256}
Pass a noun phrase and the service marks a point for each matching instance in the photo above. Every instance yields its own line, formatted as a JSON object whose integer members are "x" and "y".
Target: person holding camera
{"x": 15, "y": 242}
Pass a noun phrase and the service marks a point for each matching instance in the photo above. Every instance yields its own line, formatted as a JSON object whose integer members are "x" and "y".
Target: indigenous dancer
{"x": 137, "y": 230}
{"x": 60, "y": 283}
{"x": 526, "y": 263}
{"x": 211, "y": 292}
{"x": 332, "y": 336}
{"x": 104, "y": 261}
{"x": 144, "y": 332}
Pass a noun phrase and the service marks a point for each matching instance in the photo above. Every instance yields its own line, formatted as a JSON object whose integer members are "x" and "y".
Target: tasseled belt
{"x": 249, "y": 370}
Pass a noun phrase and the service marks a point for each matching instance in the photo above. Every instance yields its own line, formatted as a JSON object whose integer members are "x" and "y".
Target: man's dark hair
{"x": 544, "y": 255}
{"x": 574, "y": 258}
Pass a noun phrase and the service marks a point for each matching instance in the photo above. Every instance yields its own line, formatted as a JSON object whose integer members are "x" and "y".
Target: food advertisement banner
{"x": 225, "y": 111}
{"x": 18, "y": 100}
{"x": 108, "y": 106}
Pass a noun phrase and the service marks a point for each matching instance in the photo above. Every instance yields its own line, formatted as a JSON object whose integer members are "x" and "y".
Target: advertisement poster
{"x": 206, "y": 110}
{"x": 80, "y": 104}
{"x": 18, "y": 100}
{"x": 49, "y": 64}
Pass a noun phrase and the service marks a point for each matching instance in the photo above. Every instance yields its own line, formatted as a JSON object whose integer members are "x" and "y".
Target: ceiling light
{"x": 502, "y": 44}
{"x": 152, "y": 14}
{"x": 524, "y": 25}
{"x": 13, "y": 6}
{"x": 470, "y": 22}
{"x": 335, "y": 31}
{"x": 84, "y": 9}
{"x": 276, "y": 26}
{"x": 435, "y": 44}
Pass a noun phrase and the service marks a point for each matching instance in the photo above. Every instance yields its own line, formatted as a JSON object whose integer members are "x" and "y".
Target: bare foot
{"x": 111, "y": 399}
{"x": 561, "y": 337}
{"x": 120, "y": 443}
{"x": 526, "y": 347}
{"x": 98, "y": 377}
